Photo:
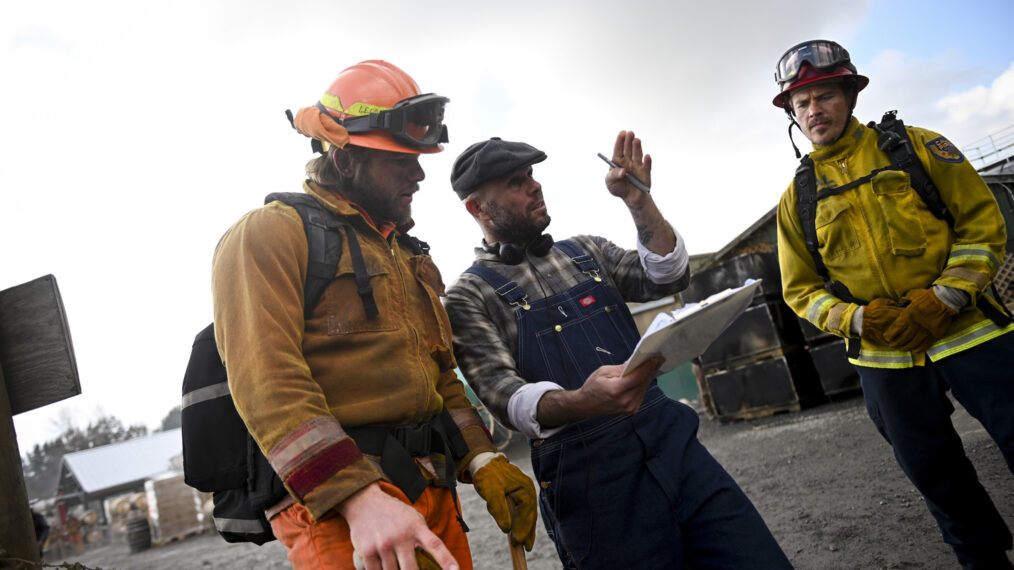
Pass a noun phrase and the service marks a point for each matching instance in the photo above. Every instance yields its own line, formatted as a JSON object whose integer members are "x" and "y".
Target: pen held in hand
{"x": 630, "y": 177}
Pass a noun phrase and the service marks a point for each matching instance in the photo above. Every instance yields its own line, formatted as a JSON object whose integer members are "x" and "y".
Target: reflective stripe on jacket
{"x": 881, "y": 240}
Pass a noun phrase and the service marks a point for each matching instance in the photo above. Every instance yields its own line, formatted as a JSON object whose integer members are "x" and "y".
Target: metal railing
{"x": 991, "y": 148}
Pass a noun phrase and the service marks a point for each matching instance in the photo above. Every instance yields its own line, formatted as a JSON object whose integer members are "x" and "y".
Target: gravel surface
{"x": 823, "y": 479}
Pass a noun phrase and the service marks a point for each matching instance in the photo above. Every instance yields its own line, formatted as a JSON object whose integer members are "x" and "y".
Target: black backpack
{"x": 219, "y": 455}
{"x": 897, "y": 145}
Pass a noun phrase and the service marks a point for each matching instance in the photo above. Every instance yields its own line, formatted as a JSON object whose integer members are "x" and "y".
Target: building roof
{"x": 1001, "y": 171}
{"x": 118, "y": 464}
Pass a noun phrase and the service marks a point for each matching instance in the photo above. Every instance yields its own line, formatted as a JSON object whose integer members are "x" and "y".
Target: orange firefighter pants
{"x": 325, "y": 544}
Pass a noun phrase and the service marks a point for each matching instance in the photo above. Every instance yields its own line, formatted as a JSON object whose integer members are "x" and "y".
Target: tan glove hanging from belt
{"x": 510, "y": 498}
{"x": 921, "y": 323}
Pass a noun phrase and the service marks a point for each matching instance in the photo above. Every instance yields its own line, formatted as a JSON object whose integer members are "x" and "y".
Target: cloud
{"x": 941, "y": 92}
{"x": 147, "y": 129}
{"x": 982, "y": 110}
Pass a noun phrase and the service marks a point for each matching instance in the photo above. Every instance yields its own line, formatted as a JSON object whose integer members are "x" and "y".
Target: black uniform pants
{"x": 911, "y": 410}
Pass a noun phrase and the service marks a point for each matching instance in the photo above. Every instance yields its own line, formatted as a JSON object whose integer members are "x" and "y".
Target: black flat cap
{"x": 490, "y": 159}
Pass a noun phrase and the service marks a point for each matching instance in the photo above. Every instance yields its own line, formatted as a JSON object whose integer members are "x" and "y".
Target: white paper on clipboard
{"x": 687, "y": 332}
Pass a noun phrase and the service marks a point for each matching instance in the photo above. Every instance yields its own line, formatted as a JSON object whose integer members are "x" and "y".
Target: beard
{"x": 381, "y": 203}
{"x": 516, "y": 228}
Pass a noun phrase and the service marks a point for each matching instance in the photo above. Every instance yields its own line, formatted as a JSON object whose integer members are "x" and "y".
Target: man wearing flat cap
{"x": 541, "y": 332}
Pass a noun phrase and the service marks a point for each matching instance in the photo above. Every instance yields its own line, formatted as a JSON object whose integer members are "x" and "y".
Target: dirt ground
{"x": 823, "y": 479}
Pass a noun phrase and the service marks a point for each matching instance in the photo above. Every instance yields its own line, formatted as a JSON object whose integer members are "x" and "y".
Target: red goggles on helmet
{"x": 819, "y": 54}
{"x": 416, "y": 121}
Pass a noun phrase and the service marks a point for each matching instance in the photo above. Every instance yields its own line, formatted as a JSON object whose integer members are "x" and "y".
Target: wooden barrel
{"x": 138, "y": 534}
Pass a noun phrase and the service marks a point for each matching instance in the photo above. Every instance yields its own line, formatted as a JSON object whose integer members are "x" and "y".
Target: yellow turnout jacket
{"x": 880, "y": 240}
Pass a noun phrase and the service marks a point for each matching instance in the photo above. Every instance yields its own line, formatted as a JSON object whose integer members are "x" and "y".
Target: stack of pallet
{"x": 838, "y": 377}
{"x": 174, "y": 508}
{"x": 759, "y": 365}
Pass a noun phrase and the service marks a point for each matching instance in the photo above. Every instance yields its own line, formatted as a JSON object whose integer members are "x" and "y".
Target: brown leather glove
{"x": 878, "y": 315}
{"x": 921, "y": 323}
{"x": 510, "y": 498}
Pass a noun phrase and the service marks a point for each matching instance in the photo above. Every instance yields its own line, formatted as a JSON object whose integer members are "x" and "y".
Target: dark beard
{"x": 513, "y": 228}
{"x": 380, "y": 203}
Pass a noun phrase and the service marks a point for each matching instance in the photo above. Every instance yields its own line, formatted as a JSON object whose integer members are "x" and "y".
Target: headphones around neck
{"x": 512, "y": 254}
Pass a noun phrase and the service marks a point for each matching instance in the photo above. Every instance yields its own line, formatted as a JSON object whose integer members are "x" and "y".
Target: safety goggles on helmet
{"x": 416, "y": 121}
{"x": 820, "y": 54}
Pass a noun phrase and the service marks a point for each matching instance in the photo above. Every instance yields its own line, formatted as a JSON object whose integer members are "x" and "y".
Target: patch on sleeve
{"x": 943, "y": 149}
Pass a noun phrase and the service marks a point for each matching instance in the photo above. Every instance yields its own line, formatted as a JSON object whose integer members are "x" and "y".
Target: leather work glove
{"x": 921, "y": 323}
{"x": 878, "y": 316}
{"x": 510, "y": 498}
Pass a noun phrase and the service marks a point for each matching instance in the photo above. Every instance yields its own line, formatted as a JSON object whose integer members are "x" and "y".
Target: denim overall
{"x": 622, "y": 491}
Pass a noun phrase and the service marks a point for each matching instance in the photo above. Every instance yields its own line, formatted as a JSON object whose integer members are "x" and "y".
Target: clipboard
{"x": 687, "y": 332}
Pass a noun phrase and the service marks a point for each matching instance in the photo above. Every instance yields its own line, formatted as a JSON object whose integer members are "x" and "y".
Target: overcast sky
{"x": 134, "y": 133}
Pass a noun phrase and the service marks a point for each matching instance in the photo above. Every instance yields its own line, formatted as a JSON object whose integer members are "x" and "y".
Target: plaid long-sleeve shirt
{"x": 485, "y": 328}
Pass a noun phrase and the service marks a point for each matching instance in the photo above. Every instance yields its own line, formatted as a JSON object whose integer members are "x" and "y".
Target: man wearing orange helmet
{"x": 889, "y": 238}
{"x": 354, "y": 401}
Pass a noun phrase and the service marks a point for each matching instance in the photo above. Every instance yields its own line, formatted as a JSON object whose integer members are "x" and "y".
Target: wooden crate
{"x": 174, "y": 508}
{"x": 783, "y": 383}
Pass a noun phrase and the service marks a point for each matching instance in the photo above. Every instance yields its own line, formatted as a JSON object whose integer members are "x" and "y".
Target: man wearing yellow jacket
{"x": 907, "y": 289}
{"x": 334, "y": 396}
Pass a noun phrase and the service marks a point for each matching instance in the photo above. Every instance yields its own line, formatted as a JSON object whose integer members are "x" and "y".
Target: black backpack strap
{"x": 362, "y": 276}
{"x": 324, "y": 241}
{"x": 806, "y": 208}
{"x": 1000, "y": 316}
{"x": 897, "y": 145}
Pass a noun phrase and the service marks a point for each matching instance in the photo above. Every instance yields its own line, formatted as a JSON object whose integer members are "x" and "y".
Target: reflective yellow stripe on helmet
{"x": 357, "y": 109}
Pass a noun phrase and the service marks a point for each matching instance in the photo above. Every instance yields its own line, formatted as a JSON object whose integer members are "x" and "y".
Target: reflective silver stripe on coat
{"x": 245, "y": 526}
{"x": 960, "y": 252}
{"x": 813, "y": 315}
{"x": 989, "y": 329}
{"x": 206, "y": 393}
{"x": 865, "y": 357}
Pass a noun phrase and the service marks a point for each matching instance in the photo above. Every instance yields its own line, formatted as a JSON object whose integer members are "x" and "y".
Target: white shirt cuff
{"x": 664, "y": 268}
{"x": 524, "y": 403}
{"x": 856, "y": 326}
{"x": 480, "y": 460}
{"x": 953, "y": 298}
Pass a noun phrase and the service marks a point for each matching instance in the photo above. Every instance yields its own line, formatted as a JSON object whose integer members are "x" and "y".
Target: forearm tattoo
{"x": 644, "y": 234}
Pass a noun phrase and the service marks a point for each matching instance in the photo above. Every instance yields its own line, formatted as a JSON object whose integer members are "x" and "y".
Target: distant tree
{"x": 172, "y": 420}
{"x": 42, "y": 464}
